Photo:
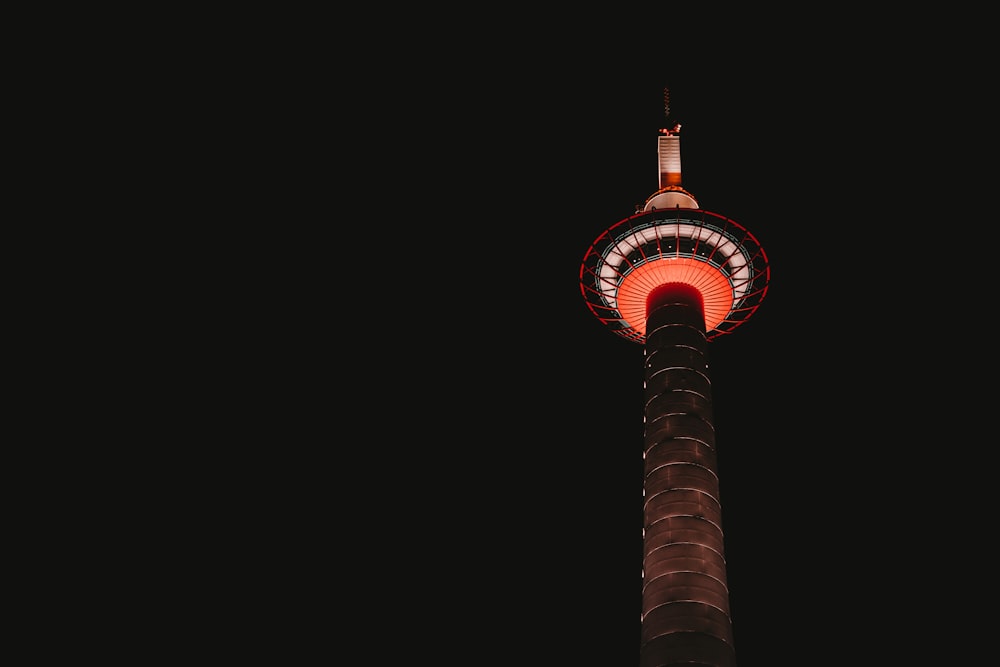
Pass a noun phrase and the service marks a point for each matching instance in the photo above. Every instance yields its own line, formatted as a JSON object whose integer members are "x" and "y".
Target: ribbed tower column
{"x": 685, "y": 597}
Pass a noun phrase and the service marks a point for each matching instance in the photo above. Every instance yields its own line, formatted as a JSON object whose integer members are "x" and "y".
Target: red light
{"x": 715, "y": 290}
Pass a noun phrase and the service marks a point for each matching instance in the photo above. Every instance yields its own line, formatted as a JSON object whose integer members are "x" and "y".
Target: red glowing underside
{"x": 636, "y": 286}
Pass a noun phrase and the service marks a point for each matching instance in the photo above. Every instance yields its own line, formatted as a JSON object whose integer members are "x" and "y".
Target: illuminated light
{"x": 676, "y": 542}
{"x": 660, "y": 243}
{"x": 673, "y": 572}
{"x": 682, "y": 600}
{"x": 693, "y": 516}
{"x": 713, "y": 254}
{"x": 716, "y": 292}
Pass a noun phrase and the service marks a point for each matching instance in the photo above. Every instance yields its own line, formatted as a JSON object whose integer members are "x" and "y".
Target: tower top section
{"x": 670, "y": 193}
{"x": 671, "y": 239}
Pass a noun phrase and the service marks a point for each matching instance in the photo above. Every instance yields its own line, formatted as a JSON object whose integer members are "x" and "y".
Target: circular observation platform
{"x": 713, "y": 254}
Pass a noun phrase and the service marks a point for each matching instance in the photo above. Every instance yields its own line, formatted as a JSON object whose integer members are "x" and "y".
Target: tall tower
{"x": 673, "y": 276}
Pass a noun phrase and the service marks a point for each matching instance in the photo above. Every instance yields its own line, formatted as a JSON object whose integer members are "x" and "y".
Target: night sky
{"x": 504, "y": 453}
{"x": 773, "y": 379}
{"x": 440, "y": 454}
{"x": 832, "y": 528}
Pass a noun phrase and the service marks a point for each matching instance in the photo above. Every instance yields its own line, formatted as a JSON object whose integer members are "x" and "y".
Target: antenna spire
{"x": 666, "y": 129}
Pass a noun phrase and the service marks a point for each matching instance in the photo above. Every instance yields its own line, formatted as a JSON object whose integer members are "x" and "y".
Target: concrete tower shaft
{"x": 685, "y": 597}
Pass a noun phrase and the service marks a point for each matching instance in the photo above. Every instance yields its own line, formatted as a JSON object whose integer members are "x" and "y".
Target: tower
{"x": 674, "y": 276}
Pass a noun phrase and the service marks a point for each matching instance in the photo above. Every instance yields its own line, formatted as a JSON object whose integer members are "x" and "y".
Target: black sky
{"x": 499, "y": 424}
{"x": 761, "y": 157}
{"x": 435, "y": 449}
{"x": 835, "y": 530}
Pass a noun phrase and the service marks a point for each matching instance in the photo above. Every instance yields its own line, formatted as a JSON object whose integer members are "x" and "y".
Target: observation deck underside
{"x": 713, "y": 254}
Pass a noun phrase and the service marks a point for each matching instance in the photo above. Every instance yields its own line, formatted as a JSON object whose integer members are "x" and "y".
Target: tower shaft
{"x": 685, "y": 595}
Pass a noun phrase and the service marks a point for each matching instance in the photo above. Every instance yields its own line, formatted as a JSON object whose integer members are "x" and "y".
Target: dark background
{"x": 378, "y": 423}
{"x": 841, "y": 409}
{"x": 461, "y": 467}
